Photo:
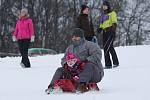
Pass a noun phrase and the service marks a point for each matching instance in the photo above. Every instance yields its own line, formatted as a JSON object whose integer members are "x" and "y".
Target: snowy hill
{"x": 130, "y": 81}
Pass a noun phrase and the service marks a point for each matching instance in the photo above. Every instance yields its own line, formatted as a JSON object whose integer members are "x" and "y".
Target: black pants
{"x": 23, "y": 48}
{"x": 108, "y": 39}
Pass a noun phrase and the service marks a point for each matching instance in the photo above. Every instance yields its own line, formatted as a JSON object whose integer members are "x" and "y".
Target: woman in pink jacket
{"x": 24, "y": 34}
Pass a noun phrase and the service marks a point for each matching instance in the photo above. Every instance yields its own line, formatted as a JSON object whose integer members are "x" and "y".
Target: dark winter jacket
{"x": 84, "y": 23}
{"x": 76, "y": 69}
{"x": 86, "y": 51}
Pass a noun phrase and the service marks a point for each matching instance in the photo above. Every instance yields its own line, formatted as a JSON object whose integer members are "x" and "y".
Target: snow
{"x": 130, "y": 81}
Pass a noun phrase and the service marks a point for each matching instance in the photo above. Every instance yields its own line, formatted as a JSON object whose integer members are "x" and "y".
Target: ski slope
{"x": 130, "y": 81}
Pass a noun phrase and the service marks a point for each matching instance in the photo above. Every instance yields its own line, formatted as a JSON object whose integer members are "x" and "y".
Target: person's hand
{"x": 94, "y": 39}
{"x": 99, "y": 30}
{"x": 14, "y": 38}
{"x": 32, "y": 38}
{"x": 76, "y": 78}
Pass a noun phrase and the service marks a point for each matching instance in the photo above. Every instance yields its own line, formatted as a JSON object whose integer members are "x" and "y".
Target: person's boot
{"x": 82, "y": 87}
{"x": 114, "y": 66}
{"x": 53, "y": 89}
{"x": 93, "y": 87}
{"x": 108, "y": 67}
{"x": 22, "y": 65}
{"x": 49, "y": 89}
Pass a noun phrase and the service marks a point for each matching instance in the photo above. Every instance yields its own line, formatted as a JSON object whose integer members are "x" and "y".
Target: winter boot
{"x": 114, "y": 66}
{"x": 82, "y": 87}
{"x": 49, "y": 90}
{"x": 93, "y": 87}
{"x": 52, "y": 90}
{"x": 22, "y": 65}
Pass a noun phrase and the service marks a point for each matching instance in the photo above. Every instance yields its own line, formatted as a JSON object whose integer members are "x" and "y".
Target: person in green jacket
{"x": 108, "y": 24}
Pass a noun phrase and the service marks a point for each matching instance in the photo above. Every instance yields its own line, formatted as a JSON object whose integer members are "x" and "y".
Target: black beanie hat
{"x": 78, "y": 32}
{"x": 83, "y": 7}
{"x": 106, "y": 3}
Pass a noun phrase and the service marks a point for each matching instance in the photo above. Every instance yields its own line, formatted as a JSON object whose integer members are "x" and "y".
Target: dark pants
{"x": 108, "y": 39}
{"x": 89, "y": 74}
{"x": 23, "y": 48}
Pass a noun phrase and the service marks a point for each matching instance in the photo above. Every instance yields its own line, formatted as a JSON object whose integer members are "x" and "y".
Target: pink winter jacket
{"x": 24, "y": 29}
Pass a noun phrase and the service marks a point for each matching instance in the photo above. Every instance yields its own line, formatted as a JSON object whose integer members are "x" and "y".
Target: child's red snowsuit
{"x": 67, "y": 83}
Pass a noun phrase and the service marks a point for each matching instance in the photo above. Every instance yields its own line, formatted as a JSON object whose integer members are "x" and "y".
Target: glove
{"x": 94, "y": 39}
{"x": 14, "y": 38}
{"x": 99, "y": 30}
{"x": 32, "y": 38}
{"x": 76, "y": 78}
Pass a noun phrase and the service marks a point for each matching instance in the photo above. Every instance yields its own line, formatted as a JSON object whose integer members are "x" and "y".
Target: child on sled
{"x": 67, "y": 78}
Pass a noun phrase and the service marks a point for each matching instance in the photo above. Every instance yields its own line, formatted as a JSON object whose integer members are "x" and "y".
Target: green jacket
{"x": 108, "y": 20}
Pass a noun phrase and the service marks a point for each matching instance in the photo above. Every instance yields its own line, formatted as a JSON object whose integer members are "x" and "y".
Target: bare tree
{"x": 132, "y": 21}
{"x": 54, "y": 21}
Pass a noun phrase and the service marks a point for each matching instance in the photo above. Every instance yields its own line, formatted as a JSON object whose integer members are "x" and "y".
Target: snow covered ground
{"x": 130, "y": 81}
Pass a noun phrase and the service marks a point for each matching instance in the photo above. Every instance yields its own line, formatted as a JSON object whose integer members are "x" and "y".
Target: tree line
{"x": 54, "y": 21}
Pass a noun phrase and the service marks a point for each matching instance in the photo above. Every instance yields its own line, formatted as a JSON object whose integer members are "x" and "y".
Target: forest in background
{"x": 54, "y": 21}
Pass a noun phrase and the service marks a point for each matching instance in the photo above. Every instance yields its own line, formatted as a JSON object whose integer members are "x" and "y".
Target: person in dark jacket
{"x": 108, "y": 24}
{"x": 84, "y": 22}
{"x": 87, "y": 52}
